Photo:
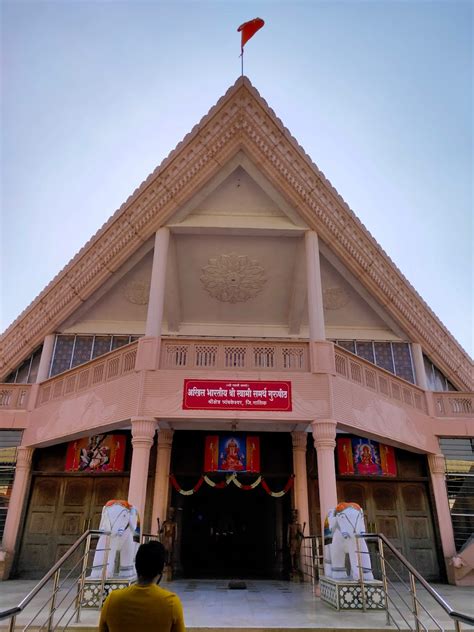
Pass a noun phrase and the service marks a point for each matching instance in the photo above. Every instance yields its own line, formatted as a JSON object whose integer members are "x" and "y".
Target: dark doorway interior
{"x": 232, "y": 533}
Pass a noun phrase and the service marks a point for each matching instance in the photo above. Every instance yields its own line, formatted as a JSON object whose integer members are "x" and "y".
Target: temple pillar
{"x": 419, "y": 365}
{"x": 162, "y": 472}
{"x": 437, "y": 467}
{"x": 149, "y": 345}
{"x": 156, "y": 300}
{"x": 299, "y": 440}
{"x": 143, "y": 432}
{"x": 46, "y": 357}
{"x": 15, "y": 508}
{"x": 315, "y": 293}
{"x": 324, "y": 435}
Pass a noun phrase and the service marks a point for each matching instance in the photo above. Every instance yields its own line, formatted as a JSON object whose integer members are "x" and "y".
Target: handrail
{"x": 454, "y": 614}
{"x": 5, "y": 614}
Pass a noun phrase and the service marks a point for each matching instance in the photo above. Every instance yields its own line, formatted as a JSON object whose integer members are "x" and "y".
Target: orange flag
{"x": 248, "y": 30}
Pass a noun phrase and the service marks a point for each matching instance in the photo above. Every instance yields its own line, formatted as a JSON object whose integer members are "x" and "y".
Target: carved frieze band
{"x": 241, "y": 119}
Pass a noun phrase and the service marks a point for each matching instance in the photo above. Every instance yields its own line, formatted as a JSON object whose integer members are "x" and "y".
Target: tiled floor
{"x": 263, "y": 605}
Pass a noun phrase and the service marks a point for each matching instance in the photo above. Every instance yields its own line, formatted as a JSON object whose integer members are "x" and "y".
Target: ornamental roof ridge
{"x": 251, "y": 124}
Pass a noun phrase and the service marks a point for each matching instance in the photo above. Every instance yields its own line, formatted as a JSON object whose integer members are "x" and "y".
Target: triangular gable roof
{"x": 241, "y": 120}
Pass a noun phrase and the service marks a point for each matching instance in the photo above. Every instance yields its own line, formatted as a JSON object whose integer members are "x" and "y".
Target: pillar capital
{"x": 299, "y": 440}
{"x": 24, "y": 456}
{"x": 143, "y": 429}
{"x": 324, "y": 433}
{"x": 437, "y": 464}
{"x": 165, "y": 437}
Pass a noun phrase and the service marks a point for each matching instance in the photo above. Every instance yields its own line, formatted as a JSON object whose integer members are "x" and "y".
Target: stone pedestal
{"x": 348, "y": 595}
{"x": 91, "y": 595}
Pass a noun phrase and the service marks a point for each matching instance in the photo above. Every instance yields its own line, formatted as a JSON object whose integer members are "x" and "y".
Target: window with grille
{"x": 71, "y": 351}
{"x": 459, "y": 455}
{"x": 391, "y": 356}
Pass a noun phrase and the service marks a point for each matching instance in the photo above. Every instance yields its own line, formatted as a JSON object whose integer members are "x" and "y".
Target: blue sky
{"x": 379, "y": 94}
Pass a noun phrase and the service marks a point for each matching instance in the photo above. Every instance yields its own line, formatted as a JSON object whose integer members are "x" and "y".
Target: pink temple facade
{"x": 236, "y": 270}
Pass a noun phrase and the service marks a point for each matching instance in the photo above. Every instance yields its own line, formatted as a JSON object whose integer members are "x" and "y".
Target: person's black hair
{"x": 150, "y": 559}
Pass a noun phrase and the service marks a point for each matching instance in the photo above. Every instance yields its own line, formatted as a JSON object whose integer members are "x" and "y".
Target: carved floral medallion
{"x": 137, "y": 292}
{"x": 233, "y": 278}
{"x": 335, "y": 298}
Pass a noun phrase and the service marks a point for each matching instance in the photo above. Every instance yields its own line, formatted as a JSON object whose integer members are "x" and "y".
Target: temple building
{"x": 234, "y": 344}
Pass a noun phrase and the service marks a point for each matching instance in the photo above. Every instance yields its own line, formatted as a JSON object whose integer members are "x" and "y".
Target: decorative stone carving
{"x": 233, "y": 278}
{"x": 137, "y": 292}
{"x": 335, "y": 298}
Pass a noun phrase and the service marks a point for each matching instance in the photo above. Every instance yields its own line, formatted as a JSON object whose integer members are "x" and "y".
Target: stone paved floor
{"x": 264, "y": 604}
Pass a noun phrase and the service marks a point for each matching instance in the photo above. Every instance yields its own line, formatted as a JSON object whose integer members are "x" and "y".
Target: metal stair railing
{"x": 400, "y": 579}
{"x": 69, "y": 586}
{"x": 404, "y": 606}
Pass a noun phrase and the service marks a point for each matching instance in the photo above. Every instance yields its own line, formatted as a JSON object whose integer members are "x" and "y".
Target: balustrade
{"x": 366, "y": 374}
{"x": 103, "y": 369}
{"x": 14, "y": 396}
{"x": 454, "y": 404}
{"x": 243, "y": 355}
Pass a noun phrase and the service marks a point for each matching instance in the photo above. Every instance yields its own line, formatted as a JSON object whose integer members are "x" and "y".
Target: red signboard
{"x": 223, "y": 395}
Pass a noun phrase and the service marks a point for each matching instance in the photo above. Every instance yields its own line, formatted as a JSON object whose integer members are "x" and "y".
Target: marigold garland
{"x": 231, "y": 478}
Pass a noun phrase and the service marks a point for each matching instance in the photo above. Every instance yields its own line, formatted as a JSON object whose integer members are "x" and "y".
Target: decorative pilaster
{"x": 154, "y": 317}
{"x": 24, "y": 458}
{"x": 160, "y": 495}
{"x": 437, "y": 467}
{"x": 315, "y": 293}
{"x": 46, "y": 357}
{"x": 299, "y": 440}
{"x": 324, "y": 435}
{"x": 419, "y": 365}
{"x": 143, "y": 432}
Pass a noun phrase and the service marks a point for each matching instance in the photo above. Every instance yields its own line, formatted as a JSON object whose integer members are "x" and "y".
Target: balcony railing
{"x": 378, "y": 380}
{"x": 230, "y": 356}
{"x": 14, "y": 396}
{"x": 103, "y": 369}
{"x": 454, "y": 404}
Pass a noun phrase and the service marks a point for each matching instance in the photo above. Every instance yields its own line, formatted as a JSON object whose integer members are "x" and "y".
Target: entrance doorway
{"x": 401, "y": 511}
{"x": 231, "y": 533}
{"x": 61, "y": 508}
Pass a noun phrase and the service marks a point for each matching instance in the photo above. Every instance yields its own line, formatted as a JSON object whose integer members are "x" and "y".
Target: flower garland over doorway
{"x": 231, "y": 478}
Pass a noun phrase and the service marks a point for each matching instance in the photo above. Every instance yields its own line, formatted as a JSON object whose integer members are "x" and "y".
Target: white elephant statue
{"x": 121, "y": 519}
{"x": 342, "y": 525}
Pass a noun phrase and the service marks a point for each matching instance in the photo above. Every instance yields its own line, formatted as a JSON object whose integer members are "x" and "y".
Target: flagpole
{"x": 242, "y": 62}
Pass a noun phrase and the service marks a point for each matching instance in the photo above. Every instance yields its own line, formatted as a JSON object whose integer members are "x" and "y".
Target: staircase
{"x": 210, "y": 606}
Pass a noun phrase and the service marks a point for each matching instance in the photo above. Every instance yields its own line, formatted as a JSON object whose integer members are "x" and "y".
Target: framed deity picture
{"x": 99, "y": 453}
{"x": 358, "y": 456}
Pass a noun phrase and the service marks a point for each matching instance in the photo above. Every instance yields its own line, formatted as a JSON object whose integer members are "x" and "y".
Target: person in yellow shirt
{"x": 144, "y": 606}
